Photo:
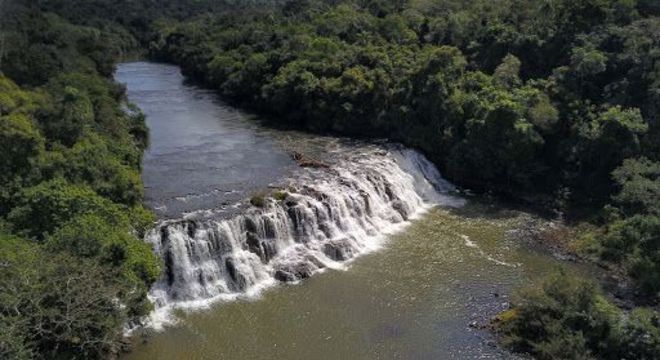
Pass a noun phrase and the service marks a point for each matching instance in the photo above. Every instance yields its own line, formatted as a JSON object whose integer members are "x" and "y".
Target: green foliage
{"x": 44, "y": 207}
{"x": 601, "y": 142}
{"x": 91, "y": 236}
{"x": 70, "y": 155}
{"x": 42, "y": 45}
{"x": 75, "y": 117}
{"x": 569, "y": 318}
{"x": 112, "y": 246}
{"x": 639, "y": 182}
{"x": 641, "y": 335}
{"x": 20, "y": 144}
{"x": 55, "y": 305}
{"x": 508, "y": 72}
{"x": 280, "y": 195}
{"x": 258, "y": 200}
{"x": 91, "y": 162}
{"x": 632, "y": 238}
{"x": 636, "y": 243}
{"x": 572, "y": 92}
{"x": 518, "y": 97}
{"x": 500, "y": 145}
{"x": 587, "y": 62}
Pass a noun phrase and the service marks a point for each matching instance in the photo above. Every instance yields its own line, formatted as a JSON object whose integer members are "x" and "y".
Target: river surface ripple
{"x": 415, "y": 298}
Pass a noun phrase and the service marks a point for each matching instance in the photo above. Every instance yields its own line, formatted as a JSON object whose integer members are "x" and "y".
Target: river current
{"x": 283, "y": 245}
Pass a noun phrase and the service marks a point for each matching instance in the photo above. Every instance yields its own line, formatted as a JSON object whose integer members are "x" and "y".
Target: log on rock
{"x": 306, "y": 161}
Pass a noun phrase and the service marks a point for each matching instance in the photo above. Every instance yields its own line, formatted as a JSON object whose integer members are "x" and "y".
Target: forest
{"x": 552, "y": 103}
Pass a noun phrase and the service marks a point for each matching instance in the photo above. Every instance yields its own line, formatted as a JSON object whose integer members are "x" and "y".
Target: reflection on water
{"x": 202, "y": 152}
{"x": 414, "y": 299}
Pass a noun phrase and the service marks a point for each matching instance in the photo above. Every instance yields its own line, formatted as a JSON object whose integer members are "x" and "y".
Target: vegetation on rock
{"x": 545, "y": 99}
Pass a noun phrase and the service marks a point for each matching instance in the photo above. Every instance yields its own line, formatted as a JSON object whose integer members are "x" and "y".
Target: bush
{"x": 89, "y": 161}
{"x": 90, "y": 236}
{"x": 258, "y": 200}
{"x": 566, "y": 317}
{"x": 57, "y": 306}
{"x": 633, "y": 239}
{"x": 280, "y": 195}
{"x": 41, "y": 209}
{"x": 639, "y": 184}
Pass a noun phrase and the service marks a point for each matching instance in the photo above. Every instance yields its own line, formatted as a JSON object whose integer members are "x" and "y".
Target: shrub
{"x": 57, "y": 306}
{"x": 280, "y": 195}
{"x": 258, "y": 200}
{"x": 566, "y": 317}
{"x": 42, "y": 208}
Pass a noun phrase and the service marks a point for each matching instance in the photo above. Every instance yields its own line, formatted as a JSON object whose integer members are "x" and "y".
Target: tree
{"x": 508, "y": 72}
{"x": 601, "y": 144}
{"x": 639, "y": 184}
{"x": 20, "y": 143}
{"x": 74, "y": 117}
{"x": 565, "y": 317}
{"x": 55, "y": 305}
{"x": 499, "y": 145}
{"x": 43, "y": 208}
{"x": 90, "y": 162}
{"x": 91, "y": 236}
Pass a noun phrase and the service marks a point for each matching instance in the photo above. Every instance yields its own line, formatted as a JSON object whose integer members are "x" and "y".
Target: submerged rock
{"x": 293, "y": 272}
{"x": 324, "y": 217}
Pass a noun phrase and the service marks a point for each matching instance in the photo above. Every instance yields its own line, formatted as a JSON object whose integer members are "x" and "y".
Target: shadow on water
{"x": 416, "y": 298}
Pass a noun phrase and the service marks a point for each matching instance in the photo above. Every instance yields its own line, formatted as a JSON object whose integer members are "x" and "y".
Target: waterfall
{"x": 321, "y": 219}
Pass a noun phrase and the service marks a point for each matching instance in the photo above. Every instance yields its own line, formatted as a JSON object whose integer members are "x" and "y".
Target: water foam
{"x": 328, "y": 217}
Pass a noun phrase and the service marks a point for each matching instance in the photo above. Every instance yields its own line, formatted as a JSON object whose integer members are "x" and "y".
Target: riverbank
{"x": 420, "y": 296}
{"x": 426, "y": 291}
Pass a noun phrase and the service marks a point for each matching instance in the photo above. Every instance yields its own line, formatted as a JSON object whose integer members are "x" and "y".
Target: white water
{"x": 329, "y": 216}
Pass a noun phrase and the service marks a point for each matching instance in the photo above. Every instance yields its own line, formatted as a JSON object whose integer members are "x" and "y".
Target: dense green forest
{"x": 553, "y": 102}
{"x": 70, "y": 190}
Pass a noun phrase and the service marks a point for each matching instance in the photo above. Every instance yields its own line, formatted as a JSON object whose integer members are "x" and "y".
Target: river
{"x": 367, "y": 254}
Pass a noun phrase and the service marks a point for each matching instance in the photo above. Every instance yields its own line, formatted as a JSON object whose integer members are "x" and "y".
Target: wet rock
{"x": 294, "y": 271}
{"x": 333, "y": 252}
{"x": 283, "y": 276}
{"x": 401, "y": 208}
{"x": 325, "y": 229}
{"x": 231, "y": 268}
{"x": 164, "y": 233}
{"x": 265, "y": 249}
{"x": 314, "y": 262}
{"x": 367, "y": 204}
{"x": 269, "y": 228}
{"x": 191, "y": 228}
{"x": 168, "y": 260}
{"x": 239, "y": 281}
{"x": 253, "y": 243}
{"x": 389, "y": 192}
{"x": 250, "y": 225}
{"x": 338, "y": 250}
{"x": 200, "y": 279}
{"x": 269, "y": 250}
{"x": 293, "y": 215}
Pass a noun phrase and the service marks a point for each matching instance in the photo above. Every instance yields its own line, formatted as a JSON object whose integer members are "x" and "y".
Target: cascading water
{"x": 320, "y": 218}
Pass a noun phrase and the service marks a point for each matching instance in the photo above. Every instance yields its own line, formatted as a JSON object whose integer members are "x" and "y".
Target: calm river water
{"x": 413, "y": 299}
